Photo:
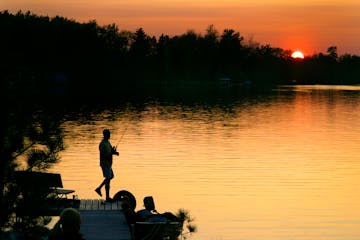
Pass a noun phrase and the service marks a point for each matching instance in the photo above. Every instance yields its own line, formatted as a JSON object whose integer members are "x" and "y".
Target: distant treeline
{"x": 55, "y": 55}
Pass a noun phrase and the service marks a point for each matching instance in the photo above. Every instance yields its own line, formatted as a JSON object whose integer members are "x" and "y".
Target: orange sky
{"x": 306, "y": 25}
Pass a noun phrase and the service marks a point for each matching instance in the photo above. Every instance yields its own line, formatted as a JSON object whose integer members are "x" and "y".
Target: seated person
{"x": 68, "y": 226}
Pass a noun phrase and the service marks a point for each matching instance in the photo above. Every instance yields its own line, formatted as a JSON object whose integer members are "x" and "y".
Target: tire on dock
{"x": 126, "y": 196}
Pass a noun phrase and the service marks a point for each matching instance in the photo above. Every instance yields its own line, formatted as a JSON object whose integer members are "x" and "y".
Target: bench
{"x": 42, "y": 194}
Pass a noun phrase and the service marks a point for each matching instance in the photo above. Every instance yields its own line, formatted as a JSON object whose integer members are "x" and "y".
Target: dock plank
{"x": 103, "y": 221}
{"x": 104, "y": 225}
{"x": 95, "y": 204}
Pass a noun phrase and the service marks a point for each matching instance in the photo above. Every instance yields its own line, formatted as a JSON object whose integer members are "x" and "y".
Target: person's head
{"x": 70, "y": 220}
{"x": 106, "y": 133}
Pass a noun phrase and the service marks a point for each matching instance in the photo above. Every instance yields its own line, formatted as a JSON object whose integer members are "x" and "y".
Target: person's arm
{"x": 114, "y": 151}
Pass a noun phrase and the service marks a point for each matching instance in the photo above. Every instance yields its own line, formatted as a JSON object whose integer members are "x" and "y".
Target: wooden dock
{"x": 103, "y": 221}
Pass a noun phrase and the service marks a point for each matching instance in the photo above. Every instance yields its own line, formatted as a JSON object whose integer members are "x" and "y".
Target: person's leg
{"x": 107, "y": 184}
{"x": 107, "y": 189}
{"x": 98, "y": 189}
{"x": 106, "y": 173}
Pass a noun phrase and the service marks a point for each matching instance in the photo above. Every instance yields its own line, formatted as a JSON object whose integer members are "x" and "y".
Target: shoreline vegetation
{"x": 59, "y": 57}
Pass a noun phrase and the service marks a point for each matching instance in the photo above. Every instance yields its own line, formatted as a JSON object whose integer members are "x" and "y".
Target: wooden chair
{"x": 37, "y": 187}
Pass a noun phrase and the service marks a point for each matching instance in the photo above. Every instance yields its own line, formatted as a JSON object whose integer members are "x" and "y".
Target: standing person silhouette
{"x": 106, "y": 159}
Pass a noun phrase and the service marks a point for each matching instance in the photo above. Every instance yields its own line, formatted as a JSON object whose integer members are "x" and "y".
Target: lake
{"x": 280, "y": 165}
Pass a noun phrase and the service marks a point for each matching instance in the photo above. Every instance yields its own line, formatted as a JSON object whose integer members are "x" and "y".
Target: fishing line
{"x": 122, "y": 136}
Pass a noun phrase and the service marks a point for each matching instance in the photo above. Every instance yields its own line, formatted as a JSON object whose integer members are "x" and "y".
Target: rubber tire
{"x": 127, "y": 196}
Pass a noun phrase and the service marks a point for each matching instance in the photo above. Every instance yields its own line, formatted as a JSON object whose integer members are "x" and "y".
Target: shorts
{"x": 107, "y": 172}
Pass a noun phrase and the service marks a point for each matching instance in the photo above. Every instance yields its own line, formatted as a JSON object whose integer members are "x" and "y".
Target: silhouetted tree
{"x": 142, "y": 45}
{"x": 211, "y": 35}
{"x": 162, "y": 51}
{"x": 349, "y": 69}
{"x": 230, "y": 45}
{"x": 29, "y": 140}
{"x": 332, "y": 51}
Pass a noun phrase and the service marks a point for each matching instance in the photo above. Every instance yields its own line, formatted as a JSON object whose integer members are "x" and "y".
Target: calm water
{"x": 278, "y": 166}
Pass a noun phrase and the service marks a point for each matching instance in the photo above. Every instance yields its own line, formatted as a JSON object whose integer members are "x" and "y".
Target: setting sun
{"x": 297, "y": 54}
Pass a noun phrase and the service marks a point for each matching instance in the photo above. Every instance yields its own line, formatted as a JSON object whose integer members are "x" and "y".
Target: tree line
{"x": 55, "y": 55}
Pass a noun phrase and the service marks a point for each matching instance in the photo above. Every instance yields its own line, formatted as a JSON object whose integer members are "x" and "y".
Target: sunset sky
{"x": 310, "y": 26}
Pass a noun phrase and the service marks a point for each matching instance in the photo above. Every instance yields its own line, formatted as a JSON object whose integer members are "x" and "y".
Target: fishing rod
{"x": 122, "y": 136}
